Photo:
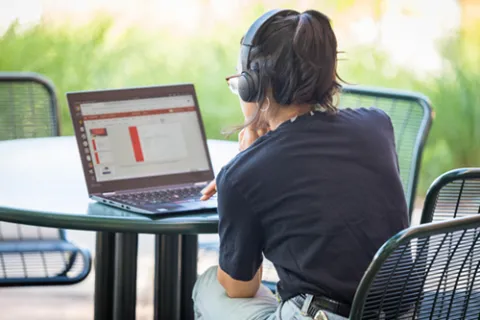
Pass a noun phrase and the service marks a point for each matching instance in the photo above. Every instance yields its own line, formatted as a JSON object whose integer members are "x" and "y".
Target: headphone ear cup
{"x": 248, "y": 86}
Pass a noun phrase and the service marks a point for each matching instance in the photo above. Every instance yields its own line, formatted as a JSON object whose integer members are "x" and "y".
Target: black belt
{"x": 318, "y": 303}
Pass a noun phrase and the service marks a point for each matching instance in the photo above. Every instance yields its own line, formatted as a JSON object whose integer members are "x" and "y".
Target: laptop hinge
{"x": 198, "y": 184}
{"x": 108, "y": 193}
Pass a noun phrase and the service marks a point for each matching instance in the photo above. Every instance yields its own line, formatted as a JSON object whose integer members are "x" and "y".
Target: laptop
{"x": 143, "y": 149}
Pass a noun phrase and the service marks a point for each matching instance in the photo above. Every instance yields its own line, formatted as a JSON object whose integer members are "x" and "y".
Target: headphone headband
{"x": 249, "y": 84}
{"x": 255, "y": 28}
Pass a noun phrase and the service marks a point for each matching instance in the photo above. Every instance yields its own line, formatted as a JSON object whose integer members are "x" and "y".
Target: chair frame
{"x": 10, "y": 246}
{"x": 396, "y": 241}
{"x": 20, "y": 77}
{"x": 61, "y": 278}
{"x": 422, "y": 135}
{"x": 437, "y": 185}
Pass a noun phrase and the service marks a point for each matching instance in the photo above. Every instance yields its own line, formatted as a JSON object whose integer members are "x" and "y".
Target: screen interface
{"x": 141, "y": 137}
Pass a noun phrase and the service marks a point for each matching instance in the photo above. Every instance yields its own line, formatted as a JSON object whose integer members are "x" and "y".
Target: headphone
{"x": 249, "y": 82}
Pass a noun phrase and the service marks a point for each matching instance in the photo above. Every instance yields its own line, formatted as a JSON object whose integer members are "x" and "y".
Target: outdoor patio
{"x": 416, "y": 61}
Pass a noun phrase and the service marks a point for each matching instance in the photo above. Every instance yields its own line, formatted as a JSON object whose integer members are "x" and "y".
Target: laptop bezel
{"x": 95, "y": 187}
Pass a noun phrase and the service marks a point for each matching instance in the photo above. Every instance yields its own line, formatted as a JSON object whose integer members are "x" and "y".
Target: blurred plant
{"x": 455, "y": 137}
{"x": 93, "y": 57}
{"x": 77, "y": 58}
{"x": 370, "y": 66}
{"x": 96, "y": 56}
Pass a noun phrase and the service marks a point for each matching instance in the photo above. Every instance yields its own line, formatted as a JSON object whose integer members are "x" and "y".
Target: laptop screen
{"x": 125, "y": 140}
{"x": 143, "y": 137}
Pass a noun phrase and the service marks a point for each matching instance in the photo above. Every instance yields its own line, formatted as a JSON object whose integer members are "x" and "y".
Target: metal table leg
{"x": 188, "y": 275}
{"x": 167, "y": 277}
{"x": 104, "y": 273}
{"x": 125, "y": 286}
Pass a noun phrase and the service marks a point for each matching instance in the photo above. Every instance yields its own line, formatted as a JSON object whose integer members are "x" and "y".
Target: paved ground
{"x": 75, "y": 302}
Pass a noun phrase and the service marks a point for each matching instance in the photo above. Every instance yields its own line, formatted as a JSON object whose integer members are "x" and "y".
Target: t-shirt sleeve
{"x": 241, "y": 242}
{"x": 392, "y": 141}
{"x": 388, "y": 131}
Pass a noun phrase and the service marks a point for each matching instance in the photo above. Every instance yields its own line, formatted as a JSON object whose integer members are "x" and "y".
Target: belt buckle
{"x": 320, "y": 315}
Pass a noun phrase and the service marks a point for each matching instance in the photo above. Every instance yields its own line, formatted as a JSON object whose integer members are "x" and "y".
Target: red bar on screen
{"x": 99, "y": 131}
{"x": 94, "y": 145}
{"x": 97, "y": 159}
{"x": 137, "y": 148}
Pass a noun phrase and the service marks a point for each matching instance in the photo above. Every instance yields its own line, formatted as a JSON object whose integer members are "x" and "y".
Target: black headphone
{"x": 248, "y": 82}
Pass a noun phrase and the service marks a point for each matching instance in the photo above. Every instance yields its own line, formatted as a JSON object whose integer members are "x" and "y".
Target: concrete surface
{"x": 76, "y": 302}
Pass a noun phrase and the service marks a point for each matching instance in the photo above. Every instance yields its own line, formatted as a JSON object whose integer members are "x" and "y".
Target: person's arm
{"x": 240, "y": 289}
{"x": 245, "y": 139}
{"x": 241, "y": 242}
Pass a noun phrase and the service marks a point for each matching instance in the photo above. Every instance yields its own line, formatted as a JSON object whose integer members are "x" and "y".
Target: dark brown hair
{"x": 296, "y": 60}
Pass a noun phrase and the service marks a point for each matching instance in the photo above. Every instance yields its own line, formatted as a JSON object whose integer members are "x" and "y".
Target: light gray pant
{"x": 211, "y": 303}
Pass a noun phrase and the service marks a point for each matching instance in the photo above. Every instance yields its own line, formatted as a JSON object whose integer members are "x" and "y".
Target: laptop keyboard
{"x": 160, "y": 196}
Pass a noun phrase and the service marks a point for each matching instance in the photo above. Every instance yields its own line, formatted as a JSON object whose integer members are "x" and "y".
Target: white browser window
{"x": 143, "y": 137}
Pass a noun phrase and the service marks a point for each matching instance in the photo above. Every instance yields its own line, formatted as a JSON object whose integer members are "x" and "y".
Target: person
{"x": 314, "y": 189}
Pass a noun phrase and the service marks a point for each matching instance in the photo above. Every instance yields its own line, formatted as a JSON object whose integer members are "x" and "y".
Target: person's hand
{"x": 247, "y": 137}
{"x": 209, "y": 191}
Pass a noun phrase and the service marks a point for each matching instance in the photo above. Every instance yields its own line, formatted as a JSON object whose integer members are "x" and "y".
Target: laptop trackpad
{"x": 168, "y": 207}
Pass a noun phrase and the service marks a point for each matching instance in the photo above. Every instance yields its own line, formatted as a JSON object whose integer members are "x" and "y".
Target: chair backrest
{"x": 454, "y": 194}
{"x": 411, "y": 117}
{"x": 429, "y": 271}
{"x": 28, "y": 109}
{"x": 28, "y": 106}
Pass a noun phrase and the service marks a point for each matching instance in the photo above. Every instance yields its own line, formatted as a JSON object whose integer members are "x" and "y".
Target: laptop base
{"x": 162, "y": 208}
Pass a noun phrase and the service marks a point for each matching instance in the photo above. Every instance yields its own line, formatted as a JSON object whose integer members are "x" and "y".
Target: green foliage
{"x": 455, "y": 137}
{"x": 369, "y": 66}
{"x": 454, "y": 140}
{"x": 94, "y": 57}
{"x": 98, "y": 55}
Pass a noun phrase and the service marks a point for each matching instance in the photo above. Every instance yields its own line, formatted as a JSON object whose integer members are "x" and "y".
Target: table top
{"x": 42, "y": 183}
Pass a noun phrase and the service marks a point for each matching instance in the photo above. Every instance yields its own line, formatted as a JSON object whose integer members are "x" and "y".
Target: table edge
{"x": 105, "y": 224}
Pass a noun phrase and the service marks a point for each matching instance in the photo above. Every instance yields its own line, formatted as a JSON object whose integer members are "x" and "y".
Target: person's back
{"x": 316, "y": 190}
{"x": 326, "y": 194}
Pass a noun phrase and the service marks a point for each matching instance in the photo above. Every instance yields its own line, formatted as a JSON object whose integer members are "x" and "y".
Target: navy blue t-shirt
{"x": 318, "y": 196}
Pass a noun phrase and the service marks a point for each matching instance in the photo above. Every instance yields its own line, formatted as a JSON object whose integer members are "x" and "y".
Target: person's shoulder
{"x": 372, "y": 117}
{"x": 378, "y": 113}
{"x": 367, "y": 113}
{"x": 248, "y": 164}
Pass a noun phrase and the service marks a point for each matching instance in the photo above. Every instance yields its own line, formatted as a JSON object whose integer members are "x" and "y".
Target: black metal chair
{"x": 429, "y": 271}
{"x": 454, "y": 194}
{"x": 32, "y": 255}
{"x": 411, "y": 116}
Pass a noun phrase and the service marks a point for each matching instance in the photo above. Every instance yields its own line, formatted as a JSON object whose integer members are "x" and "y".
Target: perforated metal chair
{"x": 425, "y": 272}
{"x": 454, "y": 194}
{"x": 32, "y": 255}
{"x": 411, "y": 116}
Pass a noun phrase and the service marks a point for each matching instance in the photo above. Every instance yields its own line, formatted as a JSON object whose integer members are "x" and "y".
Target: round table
{"x": 43, "y": 184}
